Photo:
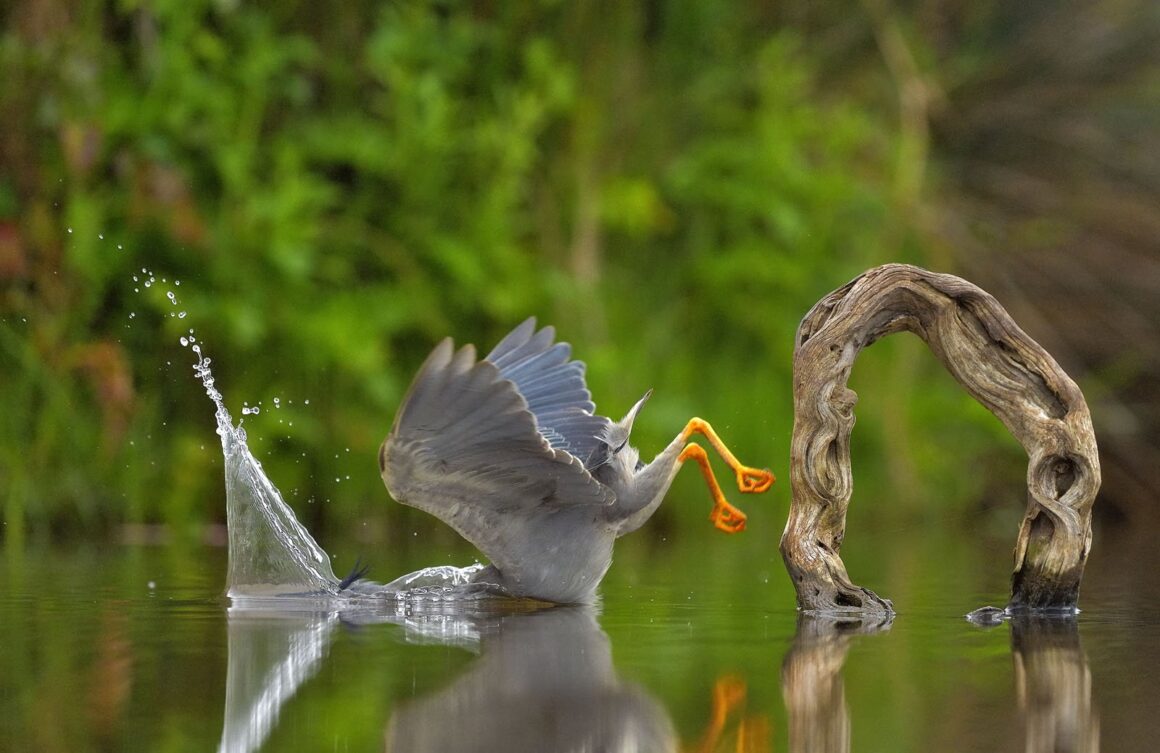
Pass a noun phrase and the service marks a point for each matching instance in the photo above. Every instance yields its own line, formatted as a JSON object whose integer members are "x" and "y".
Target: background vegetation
{"x": 327, "y": 191}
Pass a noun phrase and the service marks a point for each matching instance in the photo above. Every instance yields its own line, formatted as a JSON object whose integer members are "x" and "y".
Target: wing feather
{"x": 554, "y": 388}
{"x": 465, "y": 448}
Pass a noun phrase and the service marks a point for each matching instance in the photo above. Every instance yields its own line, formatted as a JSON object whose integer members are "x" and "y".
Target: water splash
{"x": 271, "y": 553}
{"x": 272, "y": 557}
{"x": 273, "y": 560}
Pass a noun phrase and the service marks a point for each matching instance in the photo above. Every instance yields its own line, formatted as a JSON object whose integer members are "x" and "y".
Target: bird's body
{"x": 509, "y": 452}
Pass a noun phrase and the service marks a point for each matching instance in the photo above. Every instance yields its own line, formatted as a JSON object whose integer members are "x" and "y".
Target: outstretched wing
{"x": 464, "y": 447}
{"x": 554, "y": 388}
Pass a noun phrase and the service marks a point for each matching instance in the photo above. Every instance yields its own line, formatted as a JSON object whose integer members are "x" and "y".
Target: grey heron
{"x": 509, "y": 451}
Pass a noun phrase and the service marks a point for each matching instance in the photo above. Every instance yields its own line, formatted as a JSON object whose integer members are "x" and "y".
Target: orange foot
{"x": 727, "y": 518}
{"x": 754, "y": 480}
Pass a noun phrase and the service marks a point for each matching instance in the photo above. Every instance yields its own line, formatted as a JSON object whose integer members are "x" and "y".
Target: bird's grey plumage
{"x": 614, "y": 436}
{"x": 554, "y": 389}
{"x": 504, "y": 450}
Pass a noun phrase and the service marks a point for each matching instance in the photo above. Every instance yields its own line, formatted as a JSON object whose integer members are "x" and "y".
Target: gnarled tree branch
{"x": 1000, "y": 366}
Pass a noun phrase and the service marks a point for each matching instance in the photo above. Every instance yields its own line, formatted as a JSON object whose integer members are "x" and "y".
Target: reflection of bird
{"x": 508, "y": 452}
{"x": 544, "y": 681}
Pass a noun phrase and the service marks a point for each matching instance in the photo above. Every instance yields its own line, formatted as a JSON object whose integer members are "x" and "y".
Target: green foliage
{"x": 326, "y": 196}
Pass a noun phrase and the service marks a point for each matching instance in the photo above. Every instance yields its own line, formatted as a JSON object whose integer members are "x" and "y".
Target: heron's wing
{"x": 554, "y": 388}
{"x": 464, "y": 447}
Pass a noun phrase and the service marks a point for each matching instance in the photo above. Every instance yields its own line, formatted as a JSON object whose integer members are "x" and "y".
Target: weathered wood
{"x": 1000, "y": 366}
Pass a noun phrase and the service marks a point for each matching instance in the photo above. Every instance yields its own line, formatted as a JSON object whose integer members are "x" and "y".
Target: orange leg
{"x": 749, "y": 480}
{"x": 725, "y": 516}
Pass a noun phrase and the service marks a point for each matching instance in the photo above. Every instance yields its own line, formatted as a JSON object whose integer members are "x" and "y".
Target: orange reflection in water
{"x": 748, "y": 733}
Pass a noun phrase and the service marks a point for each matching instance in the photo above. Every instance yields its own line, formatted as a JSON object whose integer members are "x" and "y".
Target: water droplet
{"x": 180, "y": 314}
{"x": 132, "y": 314}
{"x": 134, "y": 278}
{"x": 172, "y": 298}
{"x": 149, "y": 283}
{"x": 277, "y": 402}
{"x": 70, "y": 230}
{"x": 184, "y": 342}
{"x": 120, "y": 247}
{"x": 177, "y": 282}
{"x": 307, "y": 401}
{"x": 100, "y": 236}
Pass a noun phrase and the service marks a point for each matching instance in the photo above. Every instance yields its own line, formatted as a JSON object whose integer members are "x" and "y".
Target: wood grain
{"x": 1000, "y": 366}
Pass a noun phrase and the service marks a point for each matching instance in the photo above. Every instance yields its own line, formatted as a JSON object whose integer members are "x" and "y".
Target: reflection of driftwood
{"x": 1000, "y": 366}
{"x": 811, "y": 681}
{"x": 1054, "y": 685}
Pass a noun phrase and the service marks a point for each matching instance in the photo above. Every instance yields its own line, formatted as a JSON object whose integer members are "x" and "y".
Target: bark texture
{"x": 1000, "y": 366}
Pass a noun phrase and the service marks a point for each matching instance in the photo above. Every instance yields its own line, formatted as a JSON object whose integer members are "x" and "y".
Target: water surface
{"x": 695, "y": 647}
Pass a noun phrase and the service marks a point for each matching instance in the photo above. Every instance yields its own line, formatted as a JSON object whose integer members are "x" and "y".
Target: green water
{"x": 696, "y": 646}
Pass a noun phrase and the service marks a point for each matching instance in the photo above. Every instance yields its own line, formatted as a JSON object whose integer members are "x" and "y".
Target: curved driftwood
{"x": 998, "y": 364}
